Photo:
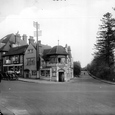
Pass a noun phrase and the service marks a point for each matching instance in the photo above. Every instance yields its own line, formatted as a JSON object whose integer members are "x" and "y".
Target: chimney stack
{"x": 18, "y": 37}
{"x": 31, "y": 40}
{"x": 24, "y": 37}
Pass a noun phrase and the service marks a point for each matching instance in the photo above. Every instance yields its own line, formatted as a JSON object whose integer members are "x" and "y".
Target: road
{"x": 81, "y": 96}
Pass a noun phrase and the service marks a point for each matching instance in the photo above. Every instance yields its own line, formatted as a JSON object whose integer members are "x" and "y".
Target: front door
{"x": 61, "y": 76}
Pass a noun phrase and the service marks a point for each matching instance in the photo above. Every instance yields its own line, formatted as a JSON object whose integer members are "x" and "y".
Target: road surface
{"x": 80, "y": 96}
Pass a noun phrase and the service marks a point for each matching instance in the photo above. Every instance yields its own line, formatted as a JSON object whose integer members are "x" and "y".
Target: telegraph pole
{"x": 36, "y": 25}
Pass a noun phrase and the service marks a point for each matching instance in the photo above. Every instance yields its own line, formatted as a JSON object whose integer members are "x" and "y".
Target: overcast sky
{"x": 72, "y": 22}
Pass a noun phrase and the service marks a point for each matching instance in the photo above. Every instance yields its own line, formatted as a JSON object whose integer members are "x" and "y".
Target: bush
{"x": 77, "y": 68}
{"x": 102, "y": 71}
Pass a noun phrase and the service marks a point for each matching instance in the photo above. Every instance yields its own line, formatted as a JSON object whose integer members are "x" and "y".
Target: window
{"x": 21, "y": 59}
{"x": 30, "y": 61}
{"x": 30, "y": 50}
{"x": 59, "y": 60}
{"x": 15, "y": 59}
{"x": 34, "y": 72}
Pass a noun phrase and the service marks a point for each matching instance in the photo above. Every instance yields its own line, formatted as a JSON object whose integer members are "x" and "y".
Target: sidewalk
{"x": 105, "y": 81}
{"x": 40, "y": 81}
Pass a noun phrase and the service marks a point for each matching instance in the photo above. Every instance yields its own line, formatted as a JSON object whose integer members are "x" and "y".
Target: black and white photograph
{"x": 57, "y": 57}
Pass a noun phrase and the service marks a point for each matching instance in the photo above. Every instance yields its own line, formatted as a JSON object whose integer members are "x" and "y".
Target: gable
{"x": 29, "y": 48}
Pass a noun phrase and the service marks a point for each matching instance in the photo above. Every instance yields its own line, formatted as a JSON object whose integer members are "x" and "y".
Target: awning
{"x": 13, "y": 65}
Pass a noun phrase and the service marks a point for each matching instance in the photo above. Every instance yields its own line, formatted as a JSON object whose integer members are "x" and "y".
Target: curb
{"x": 112, "y": 83}
{"x": 41, "y": 82}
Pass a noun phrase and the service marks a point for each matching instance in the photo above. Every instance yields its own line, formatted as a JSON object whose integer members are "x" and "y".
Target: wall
{"x": 30, "y": 55}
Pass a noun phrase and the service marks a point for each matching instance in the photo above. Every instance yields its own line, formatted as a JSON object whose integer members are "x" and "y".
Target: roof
{"x": 8, "y": 38}
{"x": 5, "y": 48}
{"x": 58, "y": 50}
{"x": 2, "y": 46}
{"x": 2, "y": 49}
{"x": 16, "y": 50}
{"x": 45, "y": 52}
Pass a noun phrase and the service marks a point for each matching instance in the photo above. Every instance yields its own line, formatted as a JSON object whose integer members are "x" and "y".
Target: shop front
{"x": 14, "y": 68}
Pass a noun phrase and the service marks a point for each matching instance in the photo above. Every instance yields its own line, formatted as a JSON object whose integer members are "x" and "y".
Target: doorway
{"x": 61, "y": 76}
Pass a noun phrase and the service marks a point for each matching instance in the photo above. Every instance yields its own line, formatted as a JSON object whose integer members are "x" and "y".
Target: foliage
{"x": 102, "y": 65}
{"x": 77, "y": 68}
{"x": 106, "y": 40}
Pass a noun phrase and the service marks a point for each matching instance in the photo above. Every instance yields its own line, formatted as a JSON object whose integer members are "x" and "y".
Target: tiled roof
{"x": 58, "y": 50}
{"x": 2, "y": 47}
{"x": 5, "y": 48}
{"x": 16, "y": 50}
{"x": 45, "y": 52}
{"x": 7, "y": 38}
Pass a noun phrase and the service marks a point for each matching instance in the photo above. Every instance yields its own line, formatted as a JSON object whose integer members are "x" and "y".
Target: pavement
{"x": 5, "y": 111}
{"x": 41, "y": 81}
{"x": 54, "y": 82}
{"x": 105, "y": 81}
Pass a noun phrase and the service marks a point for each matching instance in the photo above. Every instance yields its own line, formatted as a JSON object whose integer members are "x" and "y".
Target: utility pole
{"x": 36, "y": 25}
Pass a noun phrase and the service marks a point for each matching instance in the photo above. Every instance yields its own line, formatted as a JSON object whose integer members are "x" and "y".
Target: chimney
{"x": 31, "y": 40}
{"x": 18, "y": 37}
{"x": 66, "y": 48}
{"x": 69, "y": 52}
{"x": 24, "y": 37}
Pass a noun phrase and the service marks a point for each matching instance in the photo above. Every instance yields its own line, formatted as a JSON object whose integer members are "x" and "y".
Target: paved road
{"x": 81, "y": 96}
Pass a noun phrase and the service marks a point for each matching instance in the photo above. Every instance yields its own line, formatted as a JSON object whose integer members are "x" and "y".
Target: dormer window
{"x": 30, "y": 50}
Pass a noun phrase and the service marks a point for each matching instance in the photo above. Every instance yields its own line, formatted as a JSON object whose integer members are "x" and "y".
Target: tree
{"x": 106, "y": 40}
{"x": 77, "y": 68}
{"x": 102, "y": 65}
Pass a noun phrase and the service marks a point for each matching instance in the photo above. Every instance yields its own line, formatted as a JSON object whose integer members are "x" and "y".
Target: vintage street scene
{"x": 57, "y": 57}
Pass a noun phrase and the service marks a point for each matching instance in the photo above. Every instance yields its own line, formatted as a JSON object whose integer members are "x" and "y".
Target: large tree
{"x": 106, "y": 40}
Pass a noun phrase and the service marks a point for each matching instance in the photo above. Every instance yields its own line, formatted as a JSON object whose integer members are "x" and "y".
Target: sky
{"x": 72, "y": 22}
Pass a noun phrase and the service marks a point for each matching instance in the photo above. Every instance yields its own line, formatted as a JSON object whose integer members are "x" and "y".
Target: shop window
{"x": 15, "y": 59}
